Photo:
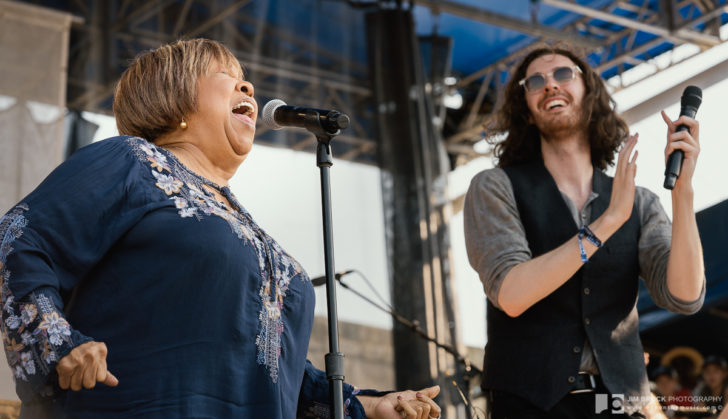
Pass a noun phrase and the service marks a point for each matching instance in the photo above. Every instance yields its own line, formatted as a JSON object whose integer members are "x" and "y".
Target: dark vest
{"x": 537, "y": 354}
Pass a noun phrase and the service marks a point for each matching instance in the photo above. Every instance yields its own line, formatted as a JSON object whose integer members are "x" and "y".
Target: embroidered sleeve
{"x": 47, "y": 245}
{"x": 314, "y": 400}
{"x": 35, "y": 333}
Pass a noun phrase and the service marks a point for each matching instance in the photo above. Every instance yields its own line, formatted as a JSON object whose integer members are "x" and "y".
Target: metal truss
{"x": 282, "y": 62}
{"x": 630, "y": 33}
{"x": 277, "y": 60}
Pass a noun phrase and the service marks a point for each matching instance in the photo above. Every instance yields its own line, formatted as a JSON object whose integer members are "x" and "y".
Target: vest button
{"x": 571, "y": 379}
{"x": 577, "y": 349}
{"x": 587, "y": 291}
{"x": 587, "y": 321}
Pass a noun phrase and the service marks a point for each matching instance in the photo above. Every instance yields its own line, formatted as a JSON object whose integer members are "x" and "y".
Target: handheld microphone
{"x": 690, "y": 101}
{"x": 321, "y": 280}
{"x": 276, "y": 115}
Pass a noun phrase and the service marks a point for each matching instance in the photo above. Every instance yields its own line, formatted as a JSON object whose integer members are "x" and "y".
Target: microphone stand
{"x": 334, "y": 360}
{"x": 470, "y": 370}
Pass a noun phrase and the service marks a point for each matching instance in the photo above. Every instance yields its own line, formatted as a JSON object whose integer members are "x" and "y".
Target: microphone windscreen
{"x": 269, "y": 111}
{"x": 692, "y": 96}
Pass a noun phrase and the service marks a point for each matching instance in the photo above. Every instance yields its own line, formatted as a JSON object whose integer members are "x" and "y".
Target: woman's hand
{"x": 85, "y": 366}
{"x": 623, "y": 186}
{"x": 688, "y": 142}
{"x": 404, "y": 404}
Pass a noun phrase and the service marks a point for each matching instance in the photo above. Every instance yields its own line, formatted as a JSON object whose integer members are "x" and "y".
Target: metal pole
{"x": 325, "y": 125}
{"x": 334, "y": 359}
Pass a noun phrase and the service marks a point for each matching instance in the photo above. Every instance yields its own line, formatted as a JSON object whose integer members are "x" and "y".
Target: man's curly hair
{"x": 605, "y": 129}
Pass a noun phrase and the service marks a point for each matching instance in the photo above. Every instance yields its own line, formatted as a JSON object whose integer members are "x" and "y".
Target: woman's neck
{"x": 196, "y": 160}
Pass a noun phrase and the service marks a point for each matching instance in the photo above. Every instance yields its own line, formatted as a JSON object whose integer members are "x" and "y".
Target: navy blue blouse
{"x": 203, "y": 313}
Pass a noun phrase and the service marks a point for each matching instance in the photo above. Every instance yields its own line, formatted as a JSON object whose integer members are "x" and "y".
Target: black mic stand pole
{"x": 334, "y": 360}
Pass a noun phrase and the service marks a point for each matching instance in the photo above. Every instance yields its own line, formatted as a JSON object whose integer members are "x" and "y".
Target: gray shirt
{"x": 496, "y": 242}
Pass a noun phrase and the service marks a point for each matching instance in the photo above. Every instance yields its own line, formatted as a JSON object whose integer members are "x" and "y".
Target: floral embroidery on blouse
{"x": 192, "y": 199}
{"x": 347, "y": 403}
{"x": 168, "y": 184}
{"x": 33, "y": 330}
{"x": 319, "y": 410}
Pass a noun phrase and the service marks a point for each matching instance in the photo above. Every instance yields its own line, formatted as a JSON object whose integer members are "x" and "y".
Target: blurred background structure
{"x": 420, "y": 80}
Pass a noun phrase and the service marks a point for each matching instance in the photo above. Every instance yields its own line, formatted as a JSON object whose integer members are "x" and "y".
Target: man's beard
{"x": 555, "y": 127}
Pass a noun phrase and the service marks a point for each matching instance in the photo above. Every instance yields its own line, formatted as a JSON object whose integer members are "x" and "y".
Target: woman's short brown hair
{"x": 160, "y": 86}
{"x": 605, "y": 129}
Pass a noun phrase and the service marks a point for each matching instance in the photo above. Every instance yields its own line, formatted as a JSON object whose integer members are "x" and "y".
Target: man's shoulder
{"x": 648, "y": 203}
{"x": 495, "y": 175}
{"x": 645, "y": 194}
{"x": 492, "y": 185}
{"x": 642, "y": 196}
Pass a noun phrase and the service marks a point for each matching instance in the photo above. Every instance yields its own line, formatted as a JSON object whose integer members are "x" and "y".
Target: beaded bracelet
{"x": 584, "y": 231}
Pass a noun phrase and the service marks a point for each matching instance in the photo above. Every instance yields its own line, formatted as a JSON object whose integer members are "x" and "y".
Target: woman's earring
{"x": 183, "y": 124}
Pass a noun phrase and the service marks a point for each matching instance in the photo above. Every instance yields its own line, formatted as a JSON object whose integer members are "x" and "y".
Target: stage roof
{"x": 313, "y": 52}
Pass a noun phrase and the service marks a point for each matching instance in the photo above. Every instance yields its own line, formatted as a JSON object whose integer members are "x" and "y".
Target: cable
{"x": 470, "y": 370}
{"x": 415, "y": 327}
{"x": 371, "y": 287}
{"x": 466, "y": 399}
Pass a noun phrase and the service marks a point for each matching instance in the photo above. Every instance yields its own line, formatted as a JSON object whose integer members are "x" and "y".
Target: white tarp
{"x": 33, "y": 61}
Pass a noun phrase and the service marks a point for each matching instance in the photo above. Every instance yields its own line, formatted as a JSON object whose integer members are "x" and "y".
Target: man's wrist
{"x": 684, "y": 190}
{"x": 606, "y": 225}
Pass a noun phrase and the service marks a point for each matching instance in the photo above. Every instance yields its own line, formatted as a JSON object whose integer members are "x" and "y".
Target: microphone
{"x": 321, "y": 280}
{"x": 690, "y": 101}
{"x": 276, "y": 115}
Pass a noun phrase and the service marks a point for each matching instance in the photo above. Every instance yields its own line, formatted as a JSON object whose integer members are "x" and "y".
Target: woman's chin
{"x": 242, "y": 148}
{"x": 240, "y": 140}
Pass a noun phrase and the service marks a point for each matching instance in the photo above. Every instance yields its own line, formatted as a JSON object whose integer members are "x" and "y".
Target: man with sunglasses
{"x": 560, "y": 247}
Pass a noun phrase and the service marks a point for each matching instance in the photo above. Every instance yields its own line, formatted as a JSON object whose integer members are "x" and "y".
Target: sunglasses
{"x": 537, "y": 81}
